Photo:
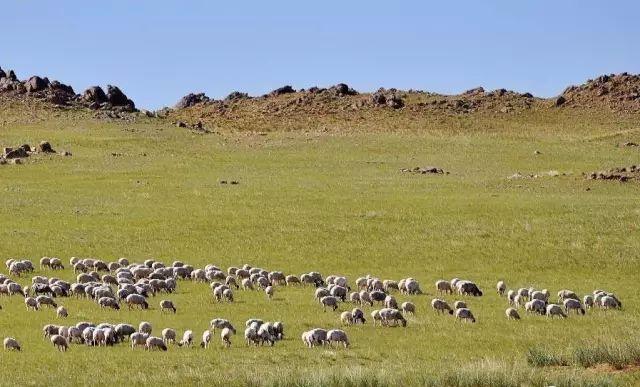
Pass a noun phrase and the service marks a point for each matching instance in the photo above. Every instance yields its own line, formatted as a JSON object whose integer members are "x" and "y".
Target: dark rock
{"x": 477, "y": 90}
{"x": 35, "y": 84}
{"x": 282, "y": 90}
{"x": 55, "y": 85}
{"x": 560, "y": 101}
{"x": 342, "y": 89}
{"x": 2, "y": 73}
{"x": 527, "y": 95}
{"x": 116, "y": 97}
{"x": 236, "y": 95}
{"x": 191, "y": 100}
{"x": 181, "y": 124}
{"x": 45, "y": 147}
{"x": 95, "y": 94}
{"x": 12, "y": 75}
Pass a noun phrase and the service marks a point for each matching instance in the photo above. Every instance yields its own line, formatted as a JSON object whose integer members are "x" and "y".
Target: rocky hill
{"x": 619, "y": 92}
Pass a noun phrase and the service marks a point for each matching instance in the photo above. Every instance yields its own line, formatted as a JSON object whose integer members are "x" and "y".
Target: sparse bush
{"x": 540, "y": 357}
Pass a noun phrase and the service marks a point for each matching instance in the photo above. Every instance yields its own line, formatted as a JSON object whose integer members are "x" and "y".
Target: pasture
{"x": 334, "y": 202}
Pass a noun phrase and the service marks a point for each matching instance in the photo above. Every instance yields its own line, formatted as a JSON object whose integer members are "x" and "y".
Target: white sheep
{"x": 511, "y": 296}
{"x": 269, "y": 291}
{"x": 512, "y": 314}
{"x": 501, "y": 287}
{"x": 365, "y": 298}
{"x": 571, "y": 304}
{"x": 375, "y": 316}
{"x": 153, "y": 342}
{"x": 443, "y": 287}
{"x": 609, "y": 302}
{"x": 535, "y": 305}
{"x": 31, "y": 303}
{"x": 61, "y": 312}
{"x": 346, "y": 318}
{"x": 555, "y": 310}
{"x": 167, "y": 305}
{"x": 440, "y": 306}
{"x": 169, "y": 335}
{"x": 145, "y": 327}
{"x": 11, "y": 344}
{"x": 206, "y": 339}
{"x": 225, "y": 335}
{"x": 187, "y": 339}
{"x": 408, "y": 308}
{"x": 329, "y": 301}
{"x": 588, "y": 301}
{"x": 138, "y": 339}
{"x": 60, "y": 343}
{"x": 464, "y": 314}
{"x": 565, "y": 294}
{"x": 338, "y": 336}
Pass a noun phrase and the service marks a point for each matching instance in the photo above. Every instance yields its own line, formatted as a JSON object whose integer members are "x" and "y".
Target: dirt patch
{"x": 425, "y": 171}
{"x": 608, "y": 368}
{"x": 622, "y": 174}
{"x": 518, "y": 175}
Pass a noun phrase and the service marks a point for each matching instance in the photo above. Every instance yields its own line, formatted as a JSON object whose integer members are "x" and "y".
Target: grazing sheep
{"x": 251, "y": 336}
{"x": 469, "y": 288}
{"x": 154, "y": 343}
{"x": 225, "y": 335}
{"x": 45, "y": 262}
{"x": 59, "y": 343}
{"x": 169, "y": 335}
{"x": 321, "y": 292}
{"x": 523, "y": 293}
{"x": 99, "y": 338}
{"x": 518, "y": 301}
{"x": 408, "y": 308}
{"x": 227, "y": 294}
{"x": 306, "y": 339}
{"x": 537, "y": 306}
{"x": 388, "y": 285}
{"x": 375, "y": 316}
{"x": 459, "y": 305}
{"x": 167, "y": 305}
{"x": 145, "y": 327}
{"x": 390, "y": 316}
{"x": 136, "y": 300}
{"x": 512, "y": 314}
{"x": 588, "y": 301}
{"x": 56, "y": 264}
{"x": 220, "y": 323}
{"x": 443, "y": 287}
{"x": 354, "y": 297}
{"x": 187, "y": 339}
{"x": 50, "y": 330}
{"x": 108, "y": 302}
{"x": 390, "y": 302}
{"x": 440, "y": 306}
{"x": 465, "y": 314}
{"x": 46, "y": 300}
{"x": 346, "y": 318}
{"x": 11, "y": 344}
{"x": 206, "y": 339}
{"x": 31, "y": 303}
{"x": 269, "y": 290}
{"x": 412, "y": 286}
{"x": 358, "y": 316}
{"x": 317, "y": 336}
{"x": 511, "y": 296}
{"x": 338, "y": 336}
{"x": 61, "y": 312}
{"x": 571, "y": 304}
{"x": 339, "y": 292}
{"x": 555, "y": 310}
{"x": 610, "y": 302}
{"x": 365, "y": 298}
{"x": 565, "y": 294}
{"x": 291, "y": 280}
{"x": 538, "y": 295}
{"x": 501, "y": 287}
{"x": 138, "y": 339}
{"x": 329, "y": 301}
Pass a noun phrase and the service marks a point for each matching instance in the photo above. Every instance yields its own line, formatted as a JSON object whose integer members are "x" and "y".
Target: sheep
{"x": 87, "y": 335}
{"x": 565, "y": 294}
{"x": 99, "y": 337}
{"x": 459, "y": 305}
{"x": 251, "y": 336}
{"x": 469, "y": 288}
{"x": 523, "y": 293}
{"x": 145, "y": 327}
{"x": 338, "y": 336}
{"x": 555, "y": 310}
{"x": 45, "y": 300}
{"x": 512, "y": 314}
{"x": 167, "y": 305}
{"x": 408, "y": 308}
{"x": 56, "y": 264}
{"x": 278, "y": 330}
{"x": 440, "y": 306}
{"x": 138, "y": 339}
{"x": 321, "y": 292}
{"x": 390, "y": 315}
{"x": 74, "y": 333}
{"x": 269, "y": 291}
{"x": 317, "y": 336}
{"x": 388, "y": 285}
{"x": 588, "y": 301}
{"x": 306, "y": 339}
{"x": 154, "y": 343}
{"x": 265, "y": 333}
{"x": 339, "y": 292}
{"x": 187, "y": 339}
{"x": 31, "y": 303}
{"x": 225, "y": 335}
{"x": 571, "y": 304}
{"x": 169, "y": 335}
{"x": 511, "y": 296}
{"x": 220, "y": 324}
{"x": 464, "y": 314}
{"x": 365, "y": 298}
{"x": 136, "y": 300}
{"x": 108, "y": 302}
{"x": 378, "y": 296}
{"x": 61, "y": 312}
{"x": 518, "y": 300}
{"x": 227, "y": 294}
{"x": 538, "y": 295}
{"x": 390, "y": 302}
{"x": 535, "y": 305}
{"x": 206, "y": 339}
{"x": 501, "y": 287}
{"x": 375, "y": 316}
{"x": 50, "y": 330}
{"x": 59, "y": 343}
{"x": 443, "y": 287}
{"x": 11, "y": 344}
{"x": 346, "y": 318}
{"x": 329, "y": 301}
{"x": 124, "y": 330}
{"x": 354, "y": 297}
{"x": 358, "y": 316}
{"x": 610, "y": 302}
{"x": 412, "y": 286}
{"x": 45, "y": 262}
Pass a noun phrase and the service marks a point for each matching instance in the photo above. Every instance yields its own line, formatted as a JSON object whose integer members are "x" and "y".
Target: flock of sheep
{"x": 112, "y": 284}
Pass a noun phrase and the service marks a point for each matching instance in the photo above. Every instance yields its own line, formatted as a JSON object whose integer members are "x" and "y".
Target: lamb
{"x": 145, "y": 327}
{"x": 167, "y": 305}
{"x": 136, "y": 300}
{"x": 459, "y": 305}
{"x": 512, "y": 314}
{"x": 154, "y": 343}
{"x": 269, "y": 291}
{"x": 11, "y": 344}
{"x": 206, "y": 339}
{"x": 60, "y": 343}
{"x": 138, "y": 339}
{"x": 187, "y": 339}
{"x": 571, "y": 304}
{"x": 465, "y": 314}
{"x": 61, "y": 312}
{"x": 31, "y": 303}
{"x": 338, "y": 336}
{"x": 389, "y": 316}
{"x": 555, "y": 310}
{"x": 501, "y": 287}
{"x": 329, "y": 301}
{"x": 440, "y": 306}
{"x": 408, "y": 308}
{"x": 443, "y": 287}
{"x": 346, "y": 318}
{"x": 169, "y": 335}
{"x": 225, "y": 335}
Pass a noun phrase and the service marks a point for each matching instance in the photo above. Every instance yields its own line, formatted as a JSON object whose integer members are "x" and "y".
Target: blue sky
{"x": 157, "y": 51}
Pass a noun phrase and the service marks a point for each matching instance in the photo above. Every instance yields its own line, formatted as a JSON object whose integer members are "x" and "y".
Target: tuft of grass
{"x": 541, "y": 357}
{"x": 618, "y": 354}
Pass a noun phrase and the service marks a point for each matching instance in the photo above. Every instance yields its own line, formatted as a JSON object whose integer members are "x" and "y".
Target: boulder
{"x": 94, "y": 94}
{"x": 191, "y": 100}
{"x": 116, "y": 97}
{"x": 45, "y": 147}
{"x": 236, "y": 95}
{"x": 2, "y": 73}
{"x": 282, "y": 90}
{"x": 12, "y": 75}
{"x": 342, "y": 89}
{"x": 55, "y": 85}
{"x": 560, "y": 101}
{"x": 35, "y": 84}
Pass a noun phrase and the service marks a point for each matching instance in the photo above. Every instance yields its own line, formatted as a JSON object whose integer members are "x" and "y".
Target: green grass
{"x": 334, "y": 202}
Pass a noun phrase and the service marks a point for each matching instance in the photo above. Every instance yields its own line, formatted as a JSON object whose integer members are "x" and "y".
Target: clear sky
{"x": 158, "y": 50}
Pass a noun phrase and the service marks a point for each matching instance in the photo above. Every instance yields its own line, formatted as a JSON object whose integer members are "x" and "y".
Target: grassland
{"x": 333, "y": 200}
